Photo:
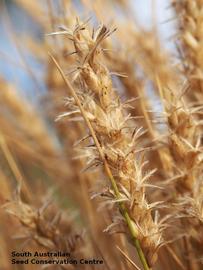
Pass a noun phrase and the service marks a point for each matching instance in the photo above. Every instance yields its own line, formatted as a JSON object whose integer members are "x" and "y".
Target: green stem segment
{"x": 127, "y": 219}
{"x": 122, "y": 207}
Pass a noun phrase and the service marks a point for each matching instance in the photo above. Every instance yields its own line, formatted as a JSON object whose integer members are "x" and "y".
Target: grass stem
{"x": 122, "y": 207}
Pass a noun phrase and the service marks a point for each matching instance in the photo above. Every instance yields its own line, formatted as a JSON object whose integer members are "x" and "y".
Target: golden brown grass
{"x": 96, "y": 168}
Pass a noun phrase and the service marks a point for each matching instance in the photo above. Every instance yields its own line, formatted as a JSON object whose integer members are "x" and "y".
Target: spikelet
{"x": 190, "y": 14}
{"x": 186, "y": 122}
{"x": 109, "y": 118}
{"x": 47, "y": 226}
